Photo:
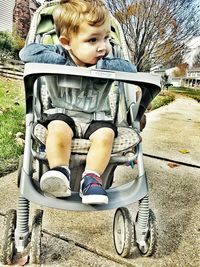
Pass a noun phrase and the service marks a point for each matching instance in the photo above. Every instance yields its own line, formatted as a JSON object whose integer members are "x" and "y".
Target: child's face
{"x": 90, "y": 44}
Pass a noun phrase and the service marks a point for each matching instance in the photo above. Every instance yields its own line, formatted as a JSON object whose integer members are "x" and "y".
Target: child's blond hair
{"x": 69, "y": 15}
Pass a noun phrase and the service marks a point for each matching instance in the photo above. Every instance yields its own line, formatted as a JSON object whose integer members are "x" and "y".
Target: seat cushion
{"x": 126, "y": 139}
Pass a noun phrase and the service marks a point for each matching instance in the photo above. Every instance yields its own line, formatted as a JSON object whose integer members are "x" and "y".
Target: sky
{"x": 194, "y": 46}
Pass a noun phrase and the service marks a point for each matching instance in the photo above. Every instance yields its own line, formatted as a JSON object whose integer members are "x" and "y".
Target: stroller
{"x": 130, "y": 94}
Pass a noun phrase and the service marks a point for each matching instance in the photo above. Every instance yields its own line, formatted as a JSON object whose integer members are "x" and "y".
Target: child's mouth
{"x": 99, "y": 57}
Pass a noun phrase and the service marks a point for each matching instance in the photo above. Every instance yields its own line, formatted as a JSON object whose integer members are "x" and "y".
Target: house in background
{"x": 190, "y": 79}
{"x": 193, "y": 78}
{"x": 15, "y": 15}
{"x": 6, "y": 15}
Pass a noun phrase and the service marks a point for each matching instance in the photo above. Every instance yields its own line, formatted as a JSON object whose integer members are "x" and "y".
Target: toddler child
{"x": 83, "y": 28}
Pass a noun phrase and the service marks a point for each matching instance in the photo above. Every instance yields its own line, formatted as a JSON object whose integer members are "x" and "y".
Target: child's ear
{"x": 64, "y": 41}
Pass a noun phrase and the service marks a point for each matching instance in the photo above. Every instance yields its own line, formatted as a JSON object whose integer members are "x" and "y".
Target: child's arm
{"x": 39, "y": 53}
{"x": 116, "y": 64}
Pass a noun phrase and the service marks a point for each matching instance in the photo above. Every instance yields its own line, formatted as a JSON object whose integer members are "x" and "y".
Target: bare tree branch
{"x": 157, "y": 31}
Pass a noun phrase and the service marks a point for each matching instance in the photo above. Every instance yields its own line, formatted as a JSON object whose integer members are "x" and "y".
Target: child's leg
{"x": 56, "y": 181}
{"x": 98, "y": 157}
{"x": 58, "y": 143}
{"x": 100, "y": 150}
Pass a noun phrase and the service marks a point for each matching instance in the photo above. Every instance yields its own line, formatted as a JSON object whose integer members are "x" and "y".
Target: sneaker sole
{"x": 94, "y": 199}
{"x": 56, "y": 184}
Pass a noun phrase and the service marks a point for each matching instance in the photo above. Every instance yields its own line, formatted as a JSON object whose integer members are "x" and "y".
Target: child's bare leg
{"x": 58, "y": 143}
{"x": 56, "y": 181}
{"x": 98, "y": 157}
{"x": 100, "y": 150}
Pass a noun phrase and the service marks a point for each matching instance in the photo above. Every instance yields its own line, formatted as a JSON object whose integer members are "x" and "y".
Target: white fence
{"x": 12, "y": 69}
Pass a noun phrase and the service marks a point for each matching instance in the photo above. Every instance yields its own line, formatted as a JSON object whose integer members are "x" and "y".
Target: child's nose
{"x": 102, "y": 47}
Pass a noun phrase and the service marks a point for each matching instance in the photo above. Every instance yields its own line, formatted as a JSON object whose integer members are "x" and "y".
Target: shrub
{"x": 9, "y": 46}
{"x": 164, "y": 98}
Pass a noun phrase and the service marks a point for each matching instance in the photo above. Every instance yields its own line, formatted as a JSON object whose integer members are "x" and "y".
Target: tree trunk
{"x": 22, "y": 16}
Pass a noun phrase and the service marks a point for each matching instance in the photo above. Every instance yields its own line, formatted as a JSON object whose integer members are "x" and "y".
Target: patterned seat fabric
{"x": 126, "y": 139}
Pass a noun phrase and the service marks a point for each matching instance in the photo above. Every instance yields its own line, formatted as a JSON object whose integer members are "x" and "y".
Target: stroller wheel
{"x": 7, "y": 241}
{"x": 151, "y": 238}
{"x": 36, "y": 233}
{"x": 123, "y": 232}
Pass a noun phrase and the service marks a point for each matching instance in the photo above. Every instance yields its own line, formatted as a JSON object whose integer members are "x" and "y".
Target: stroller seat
{"x": 127, "y": 138}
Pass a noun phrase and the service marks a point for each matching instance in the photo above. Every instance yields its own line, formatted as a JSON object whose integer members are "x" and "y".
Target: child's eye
{"x": 93, "y": 40}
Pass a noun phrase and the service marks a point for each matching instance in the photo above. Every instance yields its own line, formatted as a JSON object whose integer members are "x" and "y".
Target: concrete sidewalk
{"x": 85, "y": 239}
{"x": 175, "y": 131}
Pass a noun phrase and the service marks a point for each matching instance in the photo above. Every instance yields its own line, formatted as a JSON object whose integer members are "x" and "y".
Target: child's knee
{"x": 59, "y": 128}
{"x": 103, "y": 135}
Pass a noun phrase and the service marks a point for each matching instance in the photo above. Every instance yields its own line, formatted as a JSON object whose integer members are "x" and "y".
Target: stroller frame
{"x": 138, "y": 187}
{"x": 144, "y": 231}
{"x": 136, "y": 190}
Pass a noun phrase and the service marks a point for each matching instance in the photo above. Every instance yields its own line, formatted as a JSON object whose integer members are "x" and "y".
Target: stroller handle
{"x": 34, "y": 70}
{"x": 149, "y": 83}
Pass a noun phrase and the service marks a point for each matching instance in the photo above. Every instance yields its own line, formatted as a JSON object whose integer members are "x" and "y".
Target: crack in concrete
{"x": 98, "y": 252}
{"x": 171, "y": 160}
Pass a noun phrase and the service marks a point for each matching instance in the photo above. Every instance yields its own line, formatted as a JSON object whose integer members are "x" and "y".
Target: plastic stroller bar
{"x": 119, "y": 196}
{"x": 113, "y": 159}
{"x": 149, "y": 83}
{"x": 34, "y": 70}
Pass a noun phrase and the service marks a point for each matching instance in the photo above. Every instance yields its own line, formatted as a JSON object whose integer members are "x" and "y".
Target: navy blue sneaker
{"x": 56, "y": 182}
{"x": 91, "y": 190}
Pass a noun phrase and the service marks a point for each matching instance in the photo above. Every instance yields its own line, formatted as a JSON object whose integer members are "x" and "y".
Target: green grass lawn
{"x": 189, "y": 92}
{"x": 11, "y": 122}
{"x": 167, "y": 96}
